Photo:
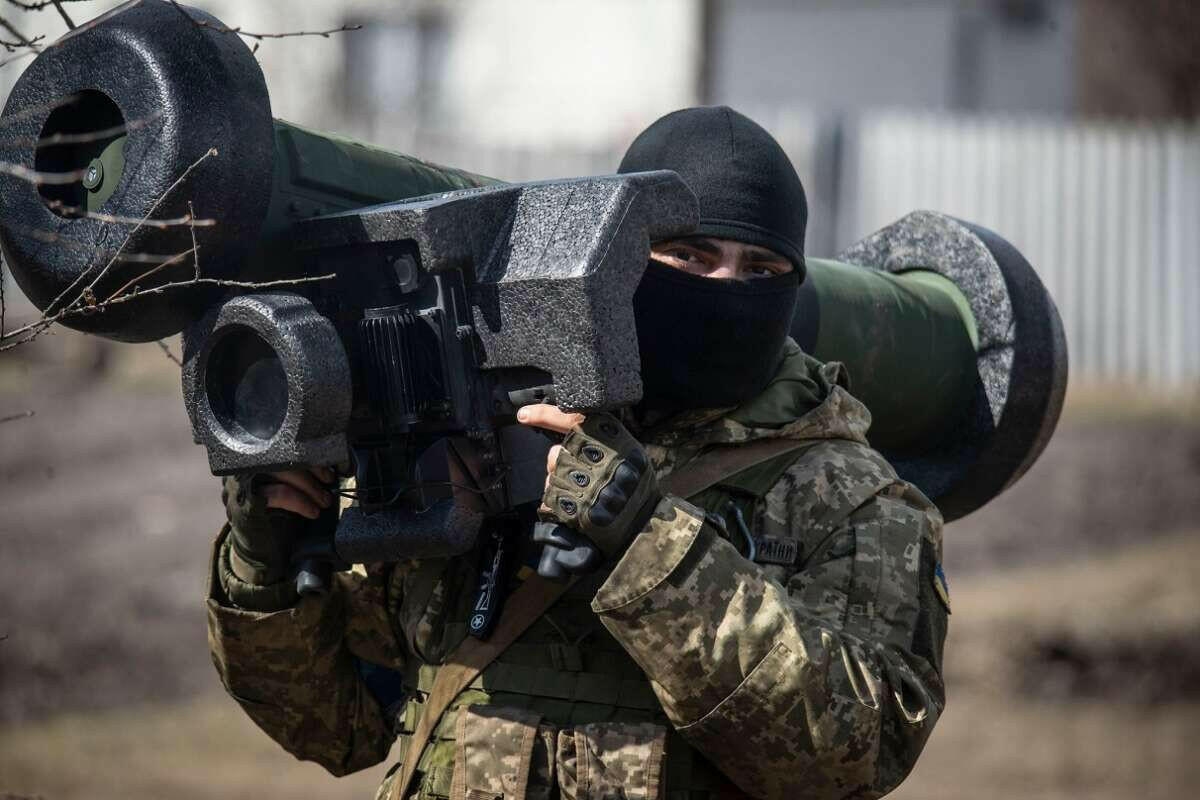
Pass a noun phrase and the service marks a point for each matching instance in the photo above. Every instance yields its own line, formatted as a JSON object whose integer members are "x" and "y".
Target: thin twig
{"x": 220, "y": 282}
{"x": 35, "y": 329}
{"x": 22, "y": 39}
{"x": 50, "y": 237}
{"x": 10, "y": 418}
{"x": 17, "y": 57}
{"x": 89, "y": 302}
{"x": 203, "y": 23}
{"x": 147, "y": 274}
{"x": 212, "y": 151}
{"x": 75, "y": 212}
{"x": 41, "y": 178}
{"x": 44, "y": 108}
{"x": 195, "y": 244}
{"x": 167, "y": 352}
{"x": 62, "y": 12}
{"x": 208, "y": 154}
{"x": 3, "y": 307}
{"x": 58, "y": 139}
{"x": 39, "y": 5}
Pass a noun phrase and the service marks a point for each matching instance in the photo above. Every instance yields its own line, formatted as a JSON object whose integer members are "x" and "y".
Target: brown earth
{"x": 1073, "y": 663}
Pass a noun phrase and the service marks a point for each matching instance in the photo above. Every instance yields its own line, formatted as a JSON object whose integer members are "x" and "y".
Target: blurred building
{"x": 964, "y": 55}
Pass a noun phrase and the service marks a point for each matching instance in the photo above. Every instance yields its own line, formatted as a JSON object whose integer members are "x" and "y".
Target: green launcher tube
{"x": 908, "y": 341}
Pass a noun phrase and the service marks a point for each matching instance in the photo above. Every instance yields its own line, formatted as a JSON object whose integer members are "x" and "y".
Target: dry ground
{"x": 1073, "y": 662}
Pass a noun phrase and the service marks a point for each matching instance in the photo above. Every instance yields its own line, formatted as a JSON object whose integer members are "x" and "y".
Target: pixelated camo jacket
{"x": 811, "y": 671}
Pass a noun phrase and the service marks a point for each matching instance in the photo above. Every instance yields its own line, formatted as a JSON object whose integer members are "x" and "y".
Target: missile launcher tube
{"x": 949, "y": 337}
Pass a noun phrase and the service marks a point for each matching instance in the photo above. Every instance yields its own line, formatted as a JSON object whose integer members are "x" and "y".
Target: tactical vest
{"x": 566, "y": 672}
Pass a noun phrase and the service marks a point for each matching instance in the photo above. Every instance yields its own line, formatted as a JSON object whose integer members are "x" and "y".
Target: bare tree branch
{"x": 75, "y": 212}
{"x": 10, "y": 418}
{"x": 17, "y": 57}
{"x": 125, "y": 298}
{"x": 41, "y": 178}
{"x": 202, "y": 23}
{"x": 132, "y": 283}
{"x": 57, "y": 139}
{"x": 167, "y": 352}
{"x": 90, "y": 305}
{"x": 21, "y": 39}
{"x": 62, "y": 12}
{"x": 39, "y": 5}
{"x": 45, "y": 108}
{"x": 195, "y": 244}
{"x": 50, "y": 237}
{"x": 211, "y": 152}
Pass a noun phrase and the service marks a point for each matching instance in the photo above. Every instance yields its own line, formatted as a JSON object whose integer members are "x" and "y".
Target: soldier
{"x": 773, "y": 631}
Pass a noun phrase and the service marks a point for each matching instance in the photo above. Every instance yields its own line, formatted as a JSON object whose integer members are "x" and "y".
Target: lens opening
{"x": 91, "y": 129}
{"x": 246, "y": 385}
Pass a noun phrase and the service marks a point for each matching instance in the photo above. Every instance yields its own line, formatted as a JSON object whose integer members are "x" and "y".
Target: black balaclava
{"x": 707, "y": 342}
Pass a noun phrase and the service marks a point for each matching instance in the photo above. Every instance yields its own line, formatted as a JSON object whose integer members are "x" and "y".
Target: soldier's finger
{"x": 324, "y": 474}
{"x": 306, "y": 482}
{"x": 552, "y": 458}
{"x": 287, "y": 498}
{"x": 548, "y": 417}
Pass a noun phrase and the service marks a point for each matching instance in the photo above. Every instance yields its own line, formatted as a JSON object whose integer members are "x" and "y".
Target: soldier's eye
{"x": 766, "y": 270}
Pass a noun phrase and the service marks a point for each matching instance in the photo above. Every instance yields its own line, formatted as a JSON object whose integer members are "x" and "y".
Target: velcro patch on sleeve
{"x": 941, "y": 587}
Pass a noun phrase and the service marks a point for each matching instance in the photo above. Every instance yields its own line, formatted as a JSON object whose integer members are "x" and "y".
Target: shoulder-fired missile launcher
{"x": 453, "y": 297}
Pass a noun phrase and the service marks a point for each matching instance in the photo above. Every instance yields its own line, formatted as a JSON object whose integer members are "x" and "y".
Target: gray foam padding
{"x": 556, "y": 265}
{"x": 1022, "y": 357}
{"x": 446, "y": 529}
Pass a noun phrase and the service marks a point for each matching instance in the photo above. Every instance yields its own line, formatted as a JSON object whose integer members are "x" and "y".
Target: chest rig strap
{"x": 535, "y": 596}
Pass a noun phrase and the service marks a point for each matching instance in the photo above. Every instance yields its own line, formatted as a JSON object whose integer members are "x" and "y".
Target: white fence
{"x": 1109, "y": 215}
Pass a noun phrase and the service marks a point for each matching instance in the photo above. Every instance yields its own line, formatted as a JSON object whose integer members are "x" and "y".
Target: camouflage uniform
{"x": 686, "y": 671}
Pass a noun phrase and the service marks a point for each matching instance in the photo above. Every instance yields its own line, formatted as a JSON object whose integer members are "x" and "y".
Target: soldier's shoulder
{"x": 842, "y": 460}
{"x": 827, "y": 482}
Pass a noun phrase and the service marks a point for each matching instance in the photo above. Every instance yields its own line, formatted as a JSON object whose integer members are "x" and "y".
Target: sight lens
{"x": 246, "y": 385}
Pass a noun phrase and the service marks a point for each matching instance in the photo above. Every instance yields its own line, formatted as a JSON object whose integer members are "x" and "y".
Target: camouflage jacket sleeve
{"x": 296, "y": 672}
{"x": 817, "y": 682}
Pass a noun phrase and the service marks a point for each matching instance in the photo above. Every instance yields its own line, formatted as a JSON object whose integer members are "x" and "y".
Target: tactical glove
{"x": 603, "y": 488}
{"x": 256, "y": 568}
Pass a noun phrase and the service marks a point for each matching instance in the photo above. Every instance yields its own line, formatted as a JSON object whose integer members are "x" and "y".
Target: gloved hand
{"x": 599, "y": 484}
{"x": 268, "y": 514}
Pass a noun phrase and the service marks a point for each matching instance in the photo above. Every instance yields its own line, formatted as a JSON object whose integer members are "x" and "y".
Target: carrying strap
{"x": 536, "y": 595}
{"x": 723, "y": 462}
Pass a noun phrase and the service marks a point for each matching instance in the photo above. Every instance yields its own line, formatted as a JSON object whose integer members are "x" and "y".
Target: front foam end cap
{"x": 175, "y": 84}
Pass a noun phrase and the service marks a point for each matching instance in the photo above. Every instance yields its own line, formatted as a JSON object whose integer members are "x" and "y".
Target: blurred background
{"x": 1068, "y": 126}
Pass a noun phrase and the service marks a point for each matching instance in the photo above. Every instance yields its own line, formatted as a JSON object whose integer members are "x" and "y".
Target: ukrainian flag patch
{"x": 941, "y": 587}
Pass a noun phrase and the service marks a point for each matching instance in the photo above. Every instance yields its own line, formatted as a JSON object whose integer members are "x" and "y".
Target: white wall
{"x": 529, "y": 73}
